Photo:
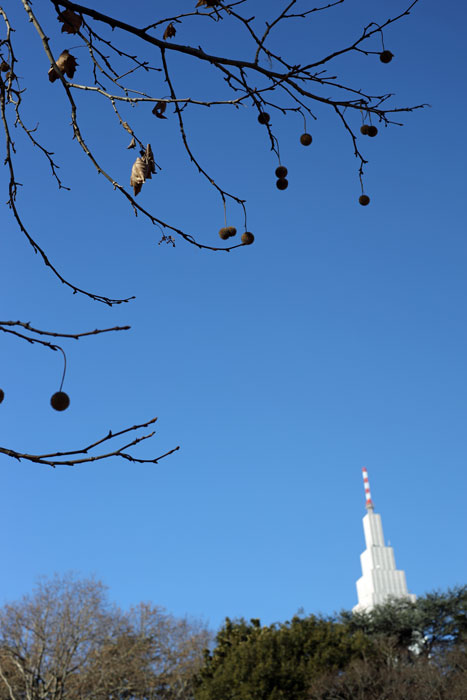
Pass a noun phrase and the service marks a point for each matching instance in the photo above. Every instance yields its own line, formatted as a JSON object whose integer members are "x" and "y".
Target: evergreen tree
{"x": 275, "y": 662}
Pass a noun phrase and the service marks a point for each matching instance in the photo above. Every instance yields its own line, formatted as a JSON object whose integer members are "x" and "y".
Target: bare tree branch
{"x": 262, "y": 81}
{"x": 52, "y": 459}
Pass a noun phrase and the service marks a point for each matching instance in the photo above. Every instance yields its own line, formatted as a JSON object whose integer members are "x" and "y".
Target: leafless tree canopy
{"x": 384, "y": 675}
{"x": 66, "y": 641}
{"x": 259, "y": 80}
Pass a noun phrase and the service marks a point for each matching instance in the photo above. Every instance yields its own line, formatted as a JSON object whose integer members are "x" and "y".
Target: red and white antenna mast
{"x": 366, "y": 486}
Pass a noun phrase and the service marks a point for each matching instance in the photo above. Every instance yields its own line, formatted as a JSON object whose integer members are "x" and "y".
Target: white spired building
{"x": 380, "y": 579}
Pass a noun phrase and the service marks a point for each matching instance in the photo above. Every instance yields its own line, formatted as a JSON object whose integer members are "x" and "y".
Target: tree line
{"x": 66, "y": 641}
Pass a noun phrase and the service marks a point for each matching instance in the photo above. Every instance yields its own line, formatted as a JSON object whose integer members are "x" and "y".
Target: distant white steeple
{"x": 380, "y": 579}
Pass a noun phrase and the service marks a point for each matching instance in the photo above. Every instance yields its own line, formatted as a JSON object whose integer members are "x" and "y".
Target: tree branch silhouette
{"x": 259, "y": 82}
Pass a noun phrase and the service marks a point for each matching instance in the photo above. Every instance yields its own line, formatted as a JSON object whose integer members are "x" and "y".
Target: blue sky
{"x": 337, "y": 340}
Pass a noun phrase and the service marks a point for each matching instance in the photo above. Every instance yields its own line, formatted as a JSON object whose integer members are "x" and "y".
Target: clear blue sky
{"x": 337, "y": 340}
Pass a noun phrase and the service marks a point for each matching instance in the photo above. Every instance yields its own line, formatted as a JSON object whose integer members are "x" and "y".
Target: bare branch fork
{"x": 9, "y": 327}
{"x": 13, "y": 189}
{"x": 81, "y": 456}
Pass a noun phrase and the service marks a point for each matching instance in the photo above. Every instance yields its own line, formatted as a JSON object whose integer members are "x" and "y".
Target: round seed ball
{"x": 2, "y": 395}
{"x": 281, "y": 171}
{"x": 224, "y": 233}
{"x": 232, "y": 230}
{"x": 60, "y": 401}
{"x": 264, "y": 118}
{"x": 247, "y": 238}
{"x": 364, "y": 129}
{"x": 372, "y": 130}
{"x": 364, "y": 200}
{"x": 306, "y": 139}
{"x": 386, "y": 56}
{"x": 282, "y": 183}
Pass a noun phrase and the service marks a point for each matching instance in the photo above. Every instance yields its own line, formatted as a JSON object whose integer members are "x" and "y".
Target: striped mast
{"x": 366, "y": 485}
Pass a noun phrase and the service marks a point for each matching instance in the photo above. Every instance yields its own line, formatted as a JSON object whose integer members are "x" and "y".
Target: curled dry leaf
{"x": 132, "y": 143}
{"x": 71, "y": 21}
{"x": 143, "y": 169}
{"x": 150, "y": 161}
{"x": 66, "y": 63}
{"x": 170, "y": 31}
{"x": 138, "y": 175}
{"x": 159, "y": 110}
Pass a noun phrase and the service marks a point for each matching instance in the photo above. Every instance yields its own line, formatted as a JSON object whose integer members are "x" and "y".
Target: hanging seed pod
{"x": 60, "y": 401}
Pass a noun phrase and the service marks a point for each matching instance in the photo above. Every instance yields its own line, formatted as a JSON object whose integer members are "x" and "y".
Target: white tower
{"x": 380, "y": 579}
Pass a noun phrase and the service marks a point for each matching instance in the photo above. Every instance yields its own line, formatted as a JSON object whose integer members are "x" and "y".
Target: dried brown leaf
{"x": 66, "y": 63}
{"x": 70, "y": 65}
{"x": 159, "y": 110}
{"x": 138, "y": 175}
{"x": 149, "y": 159}
{"x": 143, "y": 168}
{"x": 170, "y": 31}
{"x": 71, "y": 21}
{"x": 132, "y": 143}
{"x": 208, "y": 3}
